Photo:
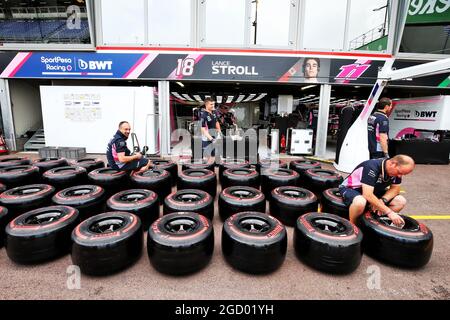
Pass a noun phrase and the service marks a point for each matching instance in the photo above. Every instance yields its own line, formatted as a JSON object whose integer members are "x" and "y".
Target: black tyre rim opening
{"x": 64, "y": 170}
{"x": 43, "y": 218}
{"x": 132, "y": 197}
{"x": 283, "y": 173}
{"x": 241, "y": 171}
{"x": 197, "y": 174}
{"x": 296, "y": 194}
{"x": 337, "y": 193}
{"x": 181, "y": 225}
{"x": 47, "y": 159}
{"x": 254, "y": 225}
{"x": 26, "y": 191}
{"x": 150, "y": 173}
{"x": 107, "y": 225}
{"x": 243, "y": 194}
{"x": 108, "y": 171}
{"x": 78, "y": 192}
{"x": 410, "y": 225}
{"x": 188, "y": 197}
{"x": 16, "y": 169}
{"x": 89, "y": 161}
{"x": 329, "y": 225}
{"x": 324, "y": 173}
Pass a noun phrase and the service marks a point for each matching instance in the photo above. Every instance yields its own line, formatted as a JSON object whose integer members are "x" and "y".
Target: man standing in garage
{"x": 209, "y": 122}
{"x": 378, "y": 130}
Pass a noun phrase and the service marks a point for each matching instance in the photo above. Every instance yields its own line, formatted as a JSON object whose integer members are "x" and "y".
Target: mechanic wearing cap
{"x": 209, "y": 122}
{"x": 226, "y": 118}
{"x": 119, "y": 156}
{"x": 378, "y": 130}
{"x": 375, "y": 184}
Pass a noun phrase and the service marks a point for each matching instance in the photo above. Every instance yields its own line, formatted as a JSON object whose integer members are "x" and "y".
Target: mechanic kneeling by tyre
{"x": 365, "y": 188}
{"x": 119, "y": 156}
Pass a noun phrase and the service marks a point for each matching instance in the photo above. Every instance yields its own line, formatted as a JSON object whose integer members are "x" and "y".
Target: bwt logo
{"x": 94, "y": 65}
{"x": 425, "y": 114}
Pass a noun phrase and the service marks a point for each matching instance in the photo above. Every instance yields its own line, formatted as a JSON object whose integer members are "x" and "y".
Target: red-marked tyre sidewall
{"x": 200, "y": 179}
{"x": 254, "y": 253}
{"x": 332, "y": 202}
{"x": 14, "y": 161}
{"x": 200, "y": 202}
{"x": 230, "y": 202}
{"x": 28, "y": 243}
{"x": 324, "y": 250}
{"x": 156, "y": 180}
{"x": 107, "y": 253}
{"x": 410, "y": 247}
{"x": 232, "y": 164}
{"x": 240, "y": 177}
{"x": 65, "y": 177}
{"x": 318, "y": 180}
{"x": 199, "y": 165}
{"x": 90, "y": 164}
{"x": 301, "y": 166}
{"x": 45, "y": 164}
{"x": 168, "y": 165}
{"x": 16, "y": 176}
{"x": 177, "y": 253}
{"x": 271, "y": 179}
{"x": 3, "y": 222}
{"x": 109, "y": 179}
{"x": 146, "y": 208}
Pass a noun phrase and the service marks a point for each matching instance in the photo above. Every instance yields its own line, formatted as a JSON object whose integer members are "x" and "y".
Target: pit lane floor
{"x": 428, "y": 193}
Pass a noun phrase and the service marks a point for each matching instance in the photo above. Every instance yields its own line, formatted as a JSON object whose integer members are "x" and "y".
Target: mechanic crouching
{"x": 120, "y": 157}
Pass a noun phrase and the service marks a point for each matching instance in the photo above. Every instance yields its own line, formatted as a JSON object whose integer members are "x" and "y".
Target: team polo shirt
{"x": 208, "y": 121}
{"x": 373, "y": 173}
{"x": 117, "y": 145}
{"x": 377, "y": 123}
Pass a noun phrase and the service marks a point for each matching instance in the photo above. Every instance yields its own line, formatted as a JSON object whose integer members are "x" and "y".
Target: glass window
{"x": 169, "y": 22}
{"x": 270, "y": 21}
{"x": 324, "y": 24}
{"x": 57, "y": 21}
{"x": 426, "y": 39}
{"x": 225, "y": 22}
{"x": 123, "y": 23}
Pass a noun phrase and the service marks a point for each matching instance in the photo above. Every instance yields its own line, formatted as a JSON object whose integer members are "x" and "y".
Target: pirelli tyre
{"x": 2, "y": 187}
{"x": 274, "y": 178}
{"x": 45, "y": 164}
{"x": 14, "y": 161}
{"x": 19, "y": 175}
{"x": 288, "y": 203}
{"x": 254, "y": 242}
{"x": 157, "y": 180}
{"x": 65, "y": 177}
{"x": 89, "y": 164}
{"x": 274, "y": 164}
{"x": 190, "y": 200}
{"x": 25, "y": 198}
{"x": 3, "y": 223}
{"x": 332, "y": 202}
{"x": 111, "y": 180}
{"x": 231, "y": 164}
{"x": 237, "y": 199}
{"x": 107, "y": 243}
{"x": 180, "y": 243}
{"x": 241, "y": 177}
{"x": 302, "y": 165}
{"x": 408, "y": 247}
{"x": 199, "y": 164}
{"x": 201, "y": 179}
{"x": 167, "y": 165}
{"x": 319, "y": 180}
{"x": 88, "y": 199}
{"x": 141, "y": 202}
{"x": 328, "y": 243}
{"x": 40, "y": 235}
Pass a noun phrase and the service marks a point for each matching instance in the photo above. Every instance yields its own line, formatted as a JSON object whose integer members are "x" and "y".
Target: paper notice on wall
{"x": 82, "y": 107}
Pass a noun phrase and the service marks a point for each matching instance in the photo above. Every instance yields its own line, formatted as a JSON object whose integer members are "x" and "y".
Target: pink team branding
{"x": 353, "y": 71}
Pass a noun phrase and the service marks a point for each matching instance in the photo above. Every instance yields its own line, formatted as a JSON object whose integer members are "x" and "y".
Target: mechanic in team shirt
{"x": 378, "y": 130}
{"x": 210, "y": 125}
{"x": 375, "y": 184}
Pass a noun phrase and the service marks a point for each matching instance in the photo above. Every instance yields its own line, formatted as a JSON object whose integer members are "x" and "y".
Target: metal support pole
{"x": 322, "y": 121}
{"x": 164, "y": 111}
{"x": 7, "y": 115}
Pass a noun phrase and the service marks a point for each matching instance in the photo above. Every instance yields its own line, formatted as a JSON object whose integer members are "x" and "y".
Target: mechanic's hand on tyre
{"x": 396, "y": 219}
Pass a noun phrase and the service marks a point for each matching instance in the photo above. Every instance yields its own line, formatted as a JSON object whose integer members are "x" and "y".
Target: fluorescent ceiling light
{"x": 307, "y": 87}
{"x": 180, "y": 84}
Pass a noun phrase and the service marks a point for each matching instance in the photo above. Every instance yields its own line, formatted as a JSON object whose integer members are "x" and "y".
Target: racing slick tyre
{"x": 2, "y": 187}
{"x": 107, "y": 243}
{"x": 332, "y": 202}
{"x": 180, "y": 243}
{"x": 302, "y": 165}
{"x": 89, "y": 200}
{"x": 240, "y": 177}
{"x": 319, "y": 180}
{"x": 25, "y": 198}
{"x": 141, "y": 202}
{"x": 89, "y": 164}
{"x": 254, "y": 242}
{"x": 237, "y": 199}
{"x": 156, "y": 180}
{"x": 3, "y": 223}
{"x": 231, "y": 164}
{"x": 328, "y": 243}
{"x": 65, "y": 177}
{"x": 201, "y": 179}
{"x": 41, "y": 234}
{"x": 274, "y": 178}
{"x": 408, "y": 247}
{"x": 19, "y": 175}
{"x": 167, "y": 165}
{"x": 288, "y": 203}
{"x": 45, "y": 164}
{"x": 264, "y": 164}
{"x": 14, "y": 161}
{"x": 111, "y": 180}
{"x": 199, "y": 164}
{"x": 190, "y": 200}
